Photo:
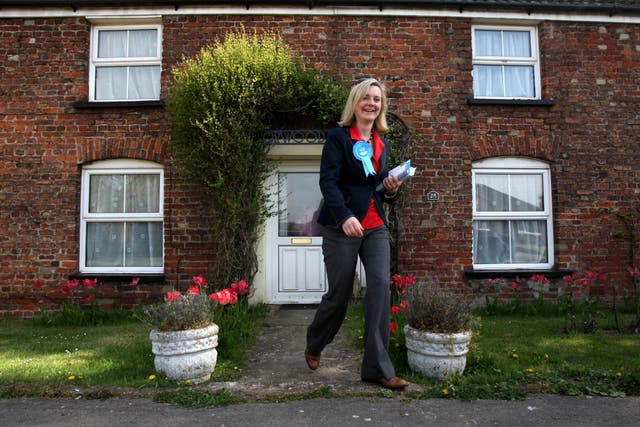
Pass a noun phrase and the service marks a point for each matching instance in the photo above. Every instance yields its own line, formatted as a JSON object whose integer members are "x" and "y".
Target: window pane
{"x": 492, "y": 192}
{"x": 519, "y": 81}
{"x": 526, "y": 193}
{"x": 104, "y": 244}
{"x": 143, "y": 43}
{"x": 517, "y": 44}
{"x": 488, "y": 43}
{"x": 487, "y": 80}
{"x": 144, "y": 244}
{"x": 144, "y": 82}
{"x": 491, "y": 242}
{"x": 143, "y": 193}
{"x": 529, "y": 242}
{"x": 111, "y": 83}
{"x": 106, "y": 193}
{"x": 112, "y": 44}
{"x": 299, "y": 200}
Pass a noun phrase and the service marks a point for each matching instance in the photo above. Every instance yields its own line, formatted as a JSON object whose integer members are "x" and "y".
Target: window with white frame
{"x": 512, "y": 216}
{"x": 126, "y": 61}
{"x": 122, "y": 217}
{"x": 505, "y": 62}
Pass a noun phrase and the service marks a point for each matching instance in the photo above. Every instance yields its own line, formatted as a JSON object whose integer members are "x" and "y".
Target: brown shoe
{"x": 313, "y": 360}
{"x": 393, "y": 383}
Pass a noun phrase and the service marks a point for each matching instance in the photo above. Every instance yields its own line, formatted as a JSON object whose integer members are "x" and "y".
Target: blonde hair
{"x": 358, "y": 91}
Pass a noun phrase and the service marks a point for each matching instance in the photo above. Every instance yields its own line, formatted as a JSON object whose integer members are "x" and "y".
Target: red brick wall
{"x": 590, "y": 138}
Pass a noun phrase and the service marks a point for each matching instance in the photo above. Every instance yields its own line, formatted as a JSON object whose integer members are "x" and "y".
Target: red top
{"x": 372, "y": 218}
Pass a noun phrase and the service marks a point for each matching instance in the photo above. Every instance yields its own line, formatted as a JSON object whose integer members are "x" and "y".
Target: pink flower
{"x": 37, "y": 284}
{"x": 233, "y": 296}
{"x": 223, "y": 297}
{"x": 540, "y": 278}
{"x": 515, "y": 286}
{"x": 87, "y": 299}
{"x": 241, "y": 288}
{"x": 90, "y": 284}
{"x": 395, "y": 309}
{"x": 200, "y": 281}
{"x": 404, "y": 305}
{"x": 134, "y": 282}
{"x": 67, "y": 290}
{"x": 173, "y": 296}
{"x": 633, "y": 271}
{"x": 393, "y": 326}
{"x": 69, "y": 286}
{"x": 195, "y": 290}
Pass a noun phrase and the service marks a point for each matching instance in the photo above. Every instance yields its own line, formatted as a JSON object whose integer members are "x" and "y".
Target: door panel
{"x": 301, "y": 269}
{"x": 295, "y": 265}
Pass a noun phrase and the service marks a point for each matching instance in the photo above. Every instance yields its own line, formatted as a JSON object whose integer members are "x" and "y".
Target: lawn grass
{"x": 36, "y": 354}
{"x": 511, "y": 356}
{"x": 516, "y": 354}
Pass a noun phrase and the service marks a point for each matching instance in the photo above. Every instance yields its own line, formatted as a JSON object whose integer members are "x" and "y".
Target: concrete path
{"x": 277, "y": 367}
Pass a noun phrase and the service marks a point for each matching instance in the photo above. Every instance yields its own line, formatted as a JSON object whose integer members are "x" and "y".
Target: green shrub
{"x": 221, "y": 102}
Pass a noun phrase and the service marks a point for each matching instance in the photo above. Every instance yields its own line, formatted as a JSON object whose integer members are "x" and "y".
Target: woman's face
{"x": 370, "y": 106}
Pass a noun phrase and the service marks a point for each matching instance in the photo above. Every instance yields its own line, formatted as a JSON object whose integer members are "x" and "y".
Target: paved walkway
{"x": 277, "y": 367}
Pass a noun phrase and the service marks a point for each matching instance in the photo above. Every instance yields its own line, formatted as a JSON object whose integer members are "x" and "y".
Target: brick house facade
{"x": 573, "y": 130}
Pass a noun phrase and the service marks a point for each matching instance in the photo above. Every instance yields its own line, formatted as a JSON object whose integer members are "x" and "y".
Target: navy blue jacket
{"x": 346, "y": 190}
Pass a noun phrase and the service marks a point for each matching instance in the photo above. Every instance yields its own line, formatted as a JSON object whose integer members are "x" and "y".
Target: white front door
{"x": 294, "y": 264}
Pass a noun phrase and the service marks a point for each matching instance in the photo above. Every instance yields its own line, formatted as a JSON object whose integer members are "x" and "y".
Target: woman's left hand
{"x": 391, "y": 185}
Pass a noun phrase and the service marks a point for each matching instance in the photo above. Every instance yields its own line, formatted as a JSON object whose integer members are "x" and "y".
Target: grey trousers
{"x": 340, "y": 257}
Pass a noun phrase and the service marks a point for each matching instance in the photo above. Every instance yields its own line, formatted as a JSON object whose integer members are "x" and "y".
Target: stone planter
{"x": 186, "y": 355}
{"x": 436, "y": 355}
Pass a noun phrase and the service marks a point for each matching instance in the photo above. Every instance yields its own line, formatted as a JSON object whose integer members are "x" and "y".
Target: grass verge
{"x": 517, "y": 354}
{"x": 39, "y": 356}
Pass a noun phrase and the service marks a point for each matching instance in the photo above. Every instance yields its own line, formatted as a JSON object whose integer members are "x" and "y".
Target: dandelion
{"x": 397, "y": 345}
{"x": 187, "y": 382}
{"x": 530, "y": 370}
{"x": 361, "y": 337}
{"x": 152, "y": 377}
{"x": 445, "y": 391}
{"x": 72, "y": 377}
{"x": 235, "y": 368}
{"x": 515, "y": 355}
{"x": 619, "y": 374}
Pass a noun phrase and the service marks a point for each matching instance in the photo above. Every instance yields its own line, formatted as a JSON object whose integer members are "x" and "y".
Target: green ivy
{"x": 221, "y": 102}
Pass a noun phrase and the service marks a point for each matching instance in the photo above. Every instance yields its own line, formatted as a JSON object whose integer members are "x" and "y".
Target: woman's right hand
{"x": 352, "y": 227}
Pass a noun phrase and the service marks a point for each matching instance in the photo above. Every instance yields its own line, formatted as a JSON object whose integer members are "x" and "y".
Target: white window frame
{"x": 127, "y": 167}
{"x": 533, "y": 60}
{"x": 96, "y": 62}
{"x": 513, "y": 166}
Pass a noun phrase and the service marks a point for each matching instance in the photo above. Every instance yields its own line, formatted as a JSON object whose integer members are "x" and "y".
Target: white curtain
{"x": 127, "y": 82}
{"x": 503, "y": 80}
{"x": 509, "y": 241}
{"x": 126, "y": 242}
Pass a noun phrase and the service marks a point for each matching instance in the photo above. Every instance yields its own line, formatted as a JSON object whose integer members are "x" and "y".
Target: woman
{"x": 353, "y": 222}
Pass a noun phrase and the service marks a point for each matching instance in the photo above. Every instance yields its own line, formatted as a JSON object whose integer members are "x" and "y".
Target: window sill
{"x": 119, "y": 277}
{"x": 86, "y": 105}
{"x": 512, "y": 274}
{"x": 526, "y": 102}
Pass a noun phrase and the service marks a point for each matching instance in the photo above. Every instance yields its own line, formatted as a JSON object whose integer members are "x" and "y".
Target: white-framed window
{"x": 512, "y": 215}
{"x": 122, "y": 223}
{"x": 506, "y": 62}
{"x": 126, "y": 61}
